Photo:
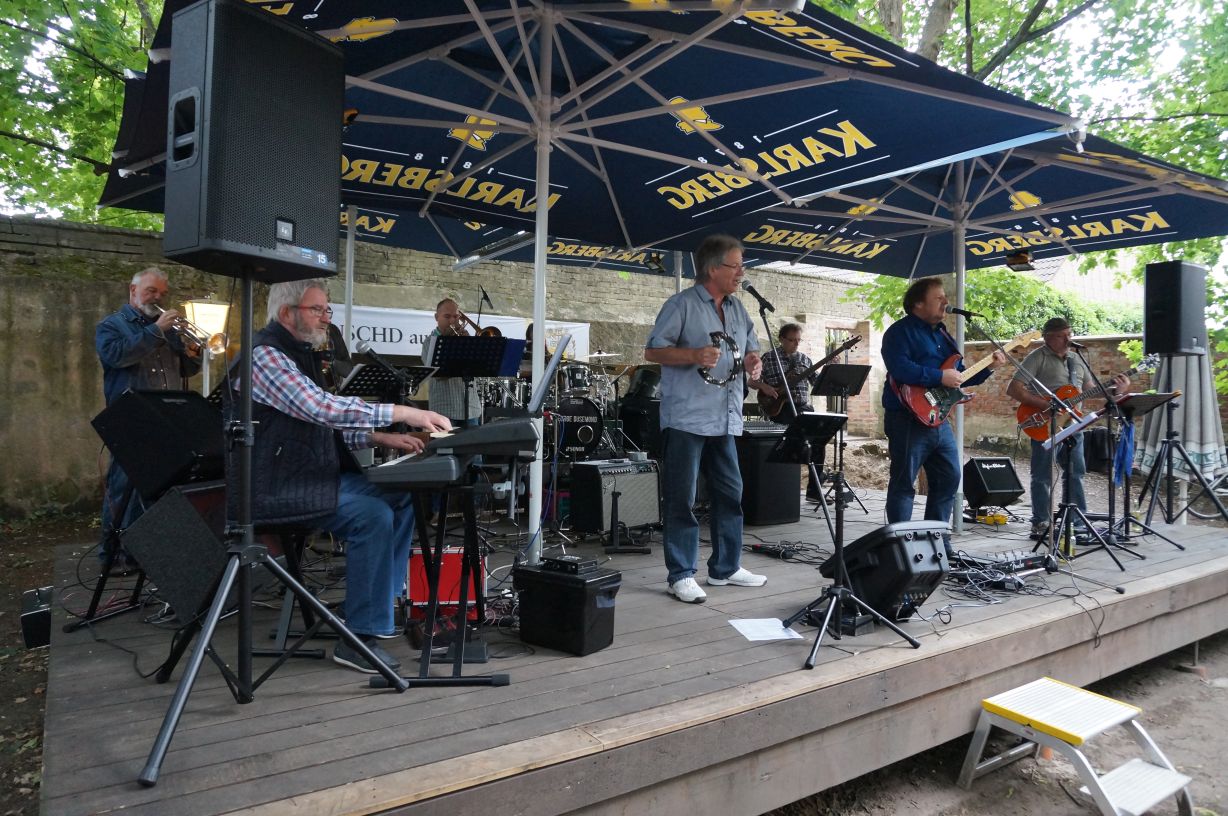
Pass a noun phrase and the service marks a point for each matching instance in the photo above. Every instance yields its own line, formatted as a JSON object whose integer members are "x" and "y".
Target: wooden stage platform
{"x": 680, "y": 714}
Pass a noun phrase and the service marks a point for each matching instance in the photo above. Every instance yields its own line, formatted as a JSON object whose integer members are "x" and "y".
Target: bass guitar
{"x": 1035, "y": 423}
{"x": 931, "y": 405}
{"x": 772, "y": 406}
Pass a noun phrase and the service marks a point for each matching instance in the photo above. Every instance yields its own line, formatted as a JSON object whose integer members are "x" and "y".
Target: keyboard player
{"x": 304, "y": 473}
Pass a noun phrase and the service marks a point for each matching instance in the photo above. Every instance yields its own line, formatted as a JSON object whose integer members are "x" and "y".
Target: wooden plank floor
{"x": 679, "y": 712}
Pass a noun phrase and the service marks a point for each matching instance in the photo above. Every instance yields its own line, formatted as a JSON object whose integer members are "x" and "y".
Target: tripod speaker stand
{"x": 804, "y": 439}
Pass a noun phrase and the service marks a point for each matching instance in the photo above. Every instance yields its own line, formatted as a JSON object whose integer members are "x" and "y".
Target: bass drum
{"x": 576, "y": 424}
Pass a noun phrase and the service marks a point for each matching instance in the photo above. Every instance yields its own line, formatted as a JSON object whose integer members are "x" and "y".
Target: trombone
{"x": 489, "y": 331}
{"x": 194, "y": 337}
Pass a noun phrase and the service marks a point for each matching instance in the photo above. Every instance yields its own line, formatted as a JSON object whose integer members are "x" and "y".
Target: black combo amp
{"x": 592, "y": 488}
{"x": 991, "y": 481}
{"x": 896, "y": 567}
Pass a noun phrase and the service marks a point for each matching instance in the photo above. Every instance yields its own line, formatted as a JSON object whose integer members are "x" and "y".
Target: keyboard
{"x": 514, "y": 436}
{"x": 418, "y": 470}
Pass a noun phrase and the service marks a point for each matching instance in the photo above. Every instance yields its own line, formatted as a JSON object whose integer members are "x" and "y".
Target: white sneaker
{"x": 687, "y": 591}
{"x": 743, "y": 577}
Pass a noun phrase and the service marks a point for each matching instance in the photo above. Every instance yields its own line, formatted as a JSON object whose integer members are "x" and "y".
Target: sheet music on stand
{"x": 374, "y": 381}
{"x": 476, "y": 356}
{"x": 1084, "y": 421}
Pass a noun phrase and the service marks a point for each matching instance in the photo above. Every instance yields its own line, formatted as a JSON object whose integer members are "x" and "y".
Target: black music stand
{"x": 376, "y": 381}
{"x": 1131, "y": 407}
{"x": 469, "y": 357}
{"x": 841, "y": 380}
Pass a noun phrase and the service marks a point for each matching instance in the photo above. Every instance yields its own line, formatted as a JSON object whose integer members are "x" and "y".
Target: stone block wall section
{"x": 58, "y": 279}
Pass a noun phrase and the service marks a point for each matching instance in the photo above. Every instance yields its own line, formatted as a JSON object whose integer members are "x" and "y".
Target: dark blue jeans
{"x": 1041, "y": 483}
{"x": 682, "y": 456}
{"x": 117, "y": 485}
{"x": 913, "y": 446}
{"x": 378, "y": 529}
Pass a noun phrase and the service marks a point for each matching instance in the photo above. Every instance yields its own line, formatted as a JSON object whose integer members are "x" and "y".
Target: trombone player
{"x": 140, "y": 347}
{"x": 448, "y": 394}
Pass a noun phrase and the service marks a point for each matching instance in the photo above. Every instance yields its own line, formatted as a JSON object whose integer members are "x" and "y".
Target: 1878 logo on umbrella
{"x": 476, "y": 139}
{"x": 692, "y": 119}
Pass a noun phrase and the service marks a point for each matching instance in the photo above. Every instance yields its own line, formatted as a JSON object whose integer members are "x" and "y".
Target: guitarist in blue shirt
{"x": 915, "y": 348}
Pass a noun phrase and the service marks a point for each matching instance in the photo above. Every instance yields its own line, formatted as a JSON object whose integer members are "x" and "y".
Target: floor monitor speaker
{"x": 1175, "y": 308}
{"x": 896, "y": 567}
{"x": 253, "y": 145}
{"x": 163, "y": 438}
{"x": 991, "y": 481}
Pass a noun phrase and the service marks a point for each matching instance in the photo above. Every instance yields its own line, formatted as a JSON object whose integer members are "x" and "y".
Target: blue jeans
{"x": 913, "y": 446}
{"x": 682, "y": 456}
{"x": 117, "y": 484}
{"x": 378, "y": 529}
{"x": 1041, "y": 460}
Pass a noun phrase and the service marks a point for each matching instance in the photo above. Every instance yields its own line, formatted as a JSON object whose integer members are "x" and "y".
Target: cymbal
{"x": 600, "y": 355}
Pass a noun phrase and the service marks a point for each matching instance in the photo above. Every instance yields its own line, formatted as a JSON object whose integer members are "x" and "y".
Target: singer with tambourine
{"x": 921, "y": 356}
{"x": 705, "y": 342}
{"x": 1055, "y": 367}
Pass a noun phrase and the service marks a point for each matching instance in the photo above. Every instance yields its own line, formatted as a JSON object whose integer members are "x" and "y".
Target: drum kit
{"x": 581, "y": 401}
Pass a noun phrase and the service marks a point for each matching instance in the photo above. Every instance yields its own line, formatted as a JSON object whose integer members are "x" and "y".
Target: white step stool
{"x": 1051, "y": 714}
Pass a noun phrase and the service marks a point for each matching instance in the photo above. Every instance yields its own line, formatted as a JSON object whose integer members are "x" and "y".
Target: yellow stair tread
{"x": 1060, "y": 710}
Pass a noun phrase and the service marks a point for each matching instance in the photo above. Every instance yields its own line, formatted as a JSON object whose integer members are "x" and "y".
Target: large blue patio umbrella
{"x": 634, "y": 122}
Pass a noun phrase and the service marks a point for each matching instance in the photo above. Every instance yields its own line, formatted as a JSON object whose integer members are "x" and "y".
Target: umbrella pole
{"x": 959, "y": 227}
{"x": 351, "y": 215}
{"x": 534, "y": 551}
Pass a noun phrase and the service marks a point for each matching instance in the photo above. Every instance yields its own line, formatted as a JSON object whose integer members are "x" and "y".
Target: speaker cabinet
{"x": 642, "y": 423}
{"x": 771, "y": 491}
{"x": 896, "y": 567}
{"x": 178, "y": 543}
{"x": 163, "y": 438}
{"x": 1174, "y": 308}
{"x": 253, "y": 156}
{"x": 991, "y": 481}
{"x": 592, "y": 491}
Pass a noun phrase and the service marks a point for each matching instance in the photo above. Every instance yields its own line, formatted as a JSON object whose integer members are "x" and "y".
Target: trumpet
{"x": 489, "y": 331}
{"x": 194, "y": 337}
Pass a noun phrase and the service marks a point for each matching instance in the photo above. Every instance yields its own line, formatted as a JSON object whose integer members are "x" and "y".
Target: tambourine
{"x": 719, "y": 338}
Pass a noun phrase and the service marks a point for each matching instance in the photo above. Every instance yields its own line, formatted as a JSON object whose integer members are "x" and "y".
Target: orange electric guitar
{"x": 772, "y": 406}
{"x": 1035, "y": 423}
{"x": 932, "y": 405}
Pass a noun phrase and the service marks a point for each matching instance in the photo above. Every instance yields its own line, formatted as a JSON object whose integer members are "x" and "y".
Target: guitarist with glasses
{"x": 1055, "y": 367}
{"x": 778, "y": 365}
{"x": 915, "y": 349}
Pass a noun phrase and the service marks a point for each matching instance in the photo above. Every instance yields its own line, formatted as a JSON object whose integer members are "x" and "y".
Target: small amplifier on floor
{"x": 570, "y": 564}
{"x": 36, "y": 616}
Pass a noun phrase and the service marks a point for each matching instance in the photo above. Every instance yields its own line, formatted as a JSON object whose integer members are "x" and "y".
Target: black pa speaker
{"x": 163, "y": 438}
{"x": 1174, "y": 308}
{"x": 641, "y": 420}
{"x": 253, "y": 151}
{"x": 178, "y": 543}
{"x": 991, "y": 481}
{"x": 771, "y": 491}
{"x": 896, "y": 567}
{"x": 592, "y": 489}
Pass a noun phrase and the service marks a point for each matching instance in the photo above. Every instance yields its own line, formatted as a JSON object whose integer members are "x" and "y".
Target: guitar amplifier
{"x": 592, "y": 487}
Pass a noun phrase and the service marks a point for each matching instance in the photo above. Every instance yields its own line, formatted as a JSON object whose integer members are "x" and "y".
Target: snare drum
{"x": 577, "y": 379}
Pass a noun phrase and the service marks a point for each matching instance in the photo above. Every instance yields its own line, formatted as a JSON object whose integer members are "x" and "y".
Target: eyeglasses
{"x": 319, "y": 311}
{"x": 735, "y": 267}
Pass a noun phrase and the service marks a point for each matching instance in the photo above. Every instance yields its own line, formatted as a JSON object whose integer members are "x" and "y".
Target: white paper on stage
{"x": 763, "y": 629}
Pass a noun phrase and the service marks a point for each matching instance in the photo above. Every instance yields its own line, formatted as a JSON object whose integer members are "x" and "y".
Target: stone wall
{"x": 57, "y": 280}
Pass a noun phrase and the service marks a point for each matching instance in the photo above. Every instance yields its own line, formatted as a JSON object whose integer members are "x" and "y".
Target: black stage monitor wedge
{"x": 1174, "y": 308}
{"x": 991, "y": 481}
{"x": 896, "y": 567}
{"x": 253, "y": 145}
{"x": 163, "y": 438}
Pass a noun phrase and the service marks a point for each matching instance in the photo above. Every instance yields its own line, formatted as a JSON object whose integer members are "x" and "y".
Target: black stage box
{"x": 771, "y": 491}
{"x": 896, "y": 567}
{"x": 570, "y": 613}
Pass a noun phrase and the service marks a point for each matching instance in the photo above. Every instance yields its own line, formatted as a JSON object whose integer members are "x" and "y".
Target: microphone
{"x": 1072, "y": 344}
{"x": 486, "y": 297}
{"x": 363, "y": 347}
{"x": 962, "y": 312}
{"x": 764, "y": 303}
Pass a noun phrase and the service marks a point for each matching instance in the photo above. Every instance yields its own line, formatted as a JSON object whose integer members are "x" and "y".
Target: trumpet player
{"x": 448, "y": 394}
{"x": 139, "y": 348}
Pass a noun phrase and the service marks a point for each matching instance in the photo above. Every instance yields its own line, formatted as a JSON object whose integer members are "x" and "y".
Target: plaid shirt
{"x": 794, "y": 363}
{"x": 278, "y": 383}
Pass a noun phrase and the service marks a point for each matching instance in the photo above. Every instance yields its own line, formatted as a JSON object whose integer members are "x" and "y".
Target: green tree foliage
{"x": 62, "y": 64}
{"x": 1021, "y": 304}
